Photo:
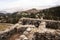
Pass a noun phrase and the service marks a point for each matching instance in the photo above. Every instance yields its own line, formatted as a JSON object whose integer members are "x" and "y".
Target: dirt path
{"x": 14, "y": 36}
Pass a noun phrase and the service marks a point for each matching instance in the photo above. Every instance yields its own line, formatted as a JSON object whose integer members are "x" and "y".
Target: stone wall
{"x": 53, "y": 25}
{"x": 46, "y": 36}
{"x": 6, "y": 35}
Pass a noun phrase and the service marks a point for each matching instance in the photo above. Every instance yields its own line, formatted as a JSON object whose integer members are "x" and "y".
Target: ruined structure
{"x": 30, "y": 29}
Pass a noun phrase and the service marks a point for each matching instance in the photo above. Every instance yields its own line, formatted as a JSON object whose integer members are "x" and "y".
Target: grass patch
{"x": 4, "y": 26}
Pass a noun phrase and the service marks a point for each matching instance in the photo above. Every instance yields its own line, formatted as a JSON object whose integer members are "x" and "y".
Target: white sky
{"x": 6, "y": 4}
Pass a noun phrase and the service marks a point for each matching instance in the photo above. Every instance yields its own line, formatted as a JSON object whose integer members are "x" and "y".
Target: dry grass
{"x": 3, "y": 26}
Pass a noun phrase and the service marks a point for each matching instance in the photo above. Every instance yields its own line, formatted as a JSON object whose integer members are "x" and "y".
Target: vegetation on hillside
{"x": 51, "y": 13}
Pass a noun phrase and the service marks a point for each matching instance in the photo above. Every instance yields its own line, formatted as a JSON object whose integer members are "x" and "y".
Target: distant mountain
{"x": 49, "y": 13}
{"x": 3, "y": 12}
{"x": 15, "y": 9}
{"x": 12, "y": 10}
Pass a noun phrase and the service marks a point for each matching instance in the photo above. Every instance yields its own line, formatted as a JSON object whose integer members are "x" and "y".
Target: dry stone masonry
{"x": 32, "y": 29}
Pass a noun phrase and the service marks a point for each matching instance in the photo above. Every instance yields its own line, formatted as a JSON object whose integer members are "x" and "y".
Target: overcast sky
{"x": 6, "y": 4}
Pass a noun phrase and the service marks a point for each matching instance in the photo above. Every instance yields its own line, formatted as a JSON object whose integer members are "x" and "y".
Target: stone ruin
{"x": 32, "y": 29}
